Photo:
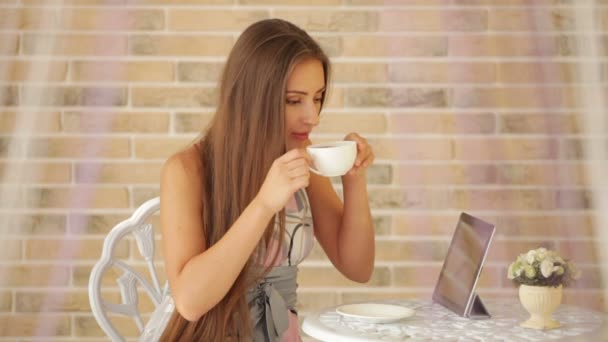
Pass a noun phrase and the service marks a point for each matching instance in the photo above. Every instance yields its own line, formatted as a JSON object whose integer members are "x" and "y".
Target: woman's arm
{"x": 345, "y": 231}
{"x": 200, "y": 278}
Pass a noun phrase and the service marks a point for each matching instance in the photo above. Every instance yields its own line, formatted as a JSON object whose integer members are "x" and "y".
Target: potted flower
{"x": 541, "y": 275}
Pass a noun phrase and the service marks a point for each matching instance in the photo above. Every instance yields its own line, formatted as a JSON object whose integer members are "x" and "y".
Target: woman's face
{"x": 305, "y": 88}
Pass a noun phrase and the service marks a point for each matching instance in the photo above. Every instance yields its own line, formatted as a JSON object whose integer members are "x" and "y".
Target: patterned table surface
{"x": 433, "y": 322}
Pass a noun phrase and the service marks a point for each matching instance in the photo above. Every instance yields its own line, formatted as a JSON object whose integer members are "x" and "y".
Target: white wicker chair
{"x": 128, "y": 281}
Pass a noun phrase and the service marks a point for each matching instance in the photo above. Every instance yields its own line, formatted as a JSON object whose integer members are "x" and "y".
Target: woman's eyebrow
{"x": 303, "y": 92}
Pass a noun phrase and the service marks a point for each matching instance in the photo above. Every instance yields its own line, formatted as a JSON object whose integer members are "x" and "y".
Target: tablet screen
{"x": 455, "y": 287}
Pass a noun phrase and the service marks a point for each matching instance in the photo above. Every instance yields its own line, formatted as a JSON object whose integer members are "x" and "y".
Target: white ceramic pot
{"x": 540, "y": 302}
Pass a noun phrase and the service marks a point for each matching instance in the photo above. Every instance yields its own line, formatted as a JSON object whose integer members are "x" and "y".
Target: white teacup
{"x": 333, "y": 158}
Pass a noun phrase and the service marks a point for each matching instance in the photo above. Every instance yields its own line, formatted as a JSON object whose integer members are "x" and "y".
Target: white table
{"x": 433, "y": 322}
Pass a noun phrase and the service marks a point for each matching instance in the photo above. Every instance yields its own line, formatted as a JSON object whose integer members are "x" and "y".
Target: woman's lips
{"x": 300, "y": 136}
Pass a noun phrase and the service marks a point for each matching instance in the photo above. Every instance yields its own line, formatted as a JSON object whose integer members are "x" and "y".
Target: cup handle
{"x": 315, "y": 170}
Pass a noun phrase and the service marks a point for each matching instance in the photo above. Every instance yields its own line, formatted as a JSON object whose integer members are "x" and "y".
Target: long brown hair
{"x": 246, "y": 135}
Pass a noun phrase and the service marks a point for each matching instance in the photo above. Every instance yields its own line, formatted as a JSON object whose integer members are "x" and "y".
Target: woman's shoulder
{"x": 186, "y": 165}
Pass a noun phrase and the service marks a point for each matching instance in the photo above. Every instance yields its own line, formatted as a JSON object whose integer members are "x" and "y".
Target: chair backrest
{"x": 144, "y": 235}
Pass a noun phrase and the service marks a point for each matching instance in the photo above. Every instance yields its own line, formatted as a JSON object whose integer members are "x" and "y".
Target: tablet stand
{"x": 477, "y": 309}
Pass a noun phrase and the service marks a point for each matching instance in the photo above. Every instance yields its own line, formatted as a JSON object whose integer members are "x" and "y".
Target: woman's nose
{"x": 311, "y": 115}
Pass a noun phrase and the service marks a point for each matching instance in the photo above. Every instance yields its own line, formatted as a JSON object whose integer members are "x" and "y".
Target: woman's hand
{"x": 288, "y": 174}
{"x": 365, "y": 155}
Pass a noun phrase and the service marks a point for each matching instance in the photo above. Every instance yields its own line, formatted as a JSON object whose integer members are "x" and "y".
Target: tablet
{"x": 455, "y": 287}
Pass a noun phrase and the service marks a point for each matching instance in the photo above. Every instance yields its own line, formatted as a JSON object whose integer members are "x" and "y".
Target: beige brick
{"x": 80, "y": 147}
{"x": 120, "y": 173}
{"x": 417, "y": 250}
{"x": 536, "y": 123}
{"x": 335, "y": 98}
{"x": 362, "y": 123}
{"x": 454, "y": 72}
{"x": 28, "y": 325}
{"x": 503, "y": 45}
{"x": 100, "y": 19}
{"x": 174, "y": 97}
{"x": 67, "y": 249}
{"x": 45, "y": 122}
{"x": 173, "y": 45}
{"x": 191, "y": 122}
{"x": 199, "y": 71}
{"x": 361, "y": 45}
{"x": 396, "y": 97}
{"x": 34, "y": 275}
{"x": 460, "y": 123}
{"x": 35, "y": 172}
{"x": 9, "y": 96}
{"x": 71, "y": 2}
{"x": 310, "y": 276}
{"x": 291, "y": 2}
{"x": 444, "y": 174}
{"x": 75, "y": 44}
{"x": 412, "y": 149}
{"x": 591, "y": 278}
{"x": 408, "y": 198}
{"x": 586, "y": 298}
{"x": 541, "y": 19}
{"x": 537, "y": 72}
{"x": 24, "y": 224}
{"x": 85, "y": 71}
{"x": 27, "y": 18}
{"x": 143, "y": 194}
{"x": 433, "y": 20}
{"x": 431, "y": 224}
{"x": 579, "y": 252}
{"x": 122, "y": 122}
{"x": 577, "y": 225}
{"x": 11, "y": 250}
{"x": 554, "y": 174}
{"x": 423, "y": 3}
{"x": 360, "y": 72}
{"x": 324, "y": 20}
{"x": 6, "y": 301}
{"x": 574, "y": 199}
{"x": 573, "y": 149}
{"x": 73, "y": 96}
{"x": 505, "y": 148}
{"x": 180, "y": 2}
{"x": 87, "y": 326}
{"x": 213, "y": 20}
{"x": 100, "y": 224}
{"x": 153, "y": 148}
{"x": 96, "y": 197}
{"x": 503, "y": 199}
{"x": 52, "y": 301}
{"x": 81, "y": 274}
{"x": 416, "y": 276}
{"x": 331, "y": 45}
{"x": 10, "y": 44}
{"x": 34, "y": 71}
{"x": 538, "y": 96}
{"x": 310, "y": 301}
{"x": 507, "y": 251}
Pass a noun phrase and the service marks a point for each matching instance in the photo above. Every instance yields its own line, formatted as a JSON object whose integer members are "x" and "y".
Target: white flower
{"x": 559, "y": 270}
{"x": 546, "y": 268}
{"x": 511, "y": 271}
{"x": 529, "y": 271}
{"x": 530, "y": 257}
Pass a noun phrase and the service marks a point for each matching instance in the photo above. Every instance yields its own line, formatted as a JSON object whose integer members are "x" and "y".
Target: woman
{"x": 239, "y": 208}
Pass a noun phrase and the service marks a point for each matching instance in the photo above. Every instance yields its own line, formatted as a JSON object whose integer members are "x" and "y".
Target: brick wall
{"x": 470, "y": 106}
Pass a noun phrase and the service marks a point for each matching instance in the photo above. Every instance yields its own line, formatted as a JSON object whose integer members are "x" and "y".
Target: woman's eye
{"x": 318, "y": 100}
{"x": 293, "y": 102}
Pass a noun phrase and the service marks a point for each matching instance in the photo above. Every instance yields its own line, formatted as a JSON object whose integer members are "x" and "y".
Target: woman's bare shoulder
{"x": 185, "y": 165}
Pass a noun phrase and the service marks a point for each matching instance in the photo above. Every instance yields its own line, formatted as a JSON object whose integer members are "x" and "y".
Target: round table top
{"x": 433, "y": 322}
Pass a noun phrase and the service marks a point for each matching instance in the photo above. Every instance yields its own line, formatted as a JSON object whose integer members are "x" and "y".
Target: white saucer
{"x": 375, "y": 313}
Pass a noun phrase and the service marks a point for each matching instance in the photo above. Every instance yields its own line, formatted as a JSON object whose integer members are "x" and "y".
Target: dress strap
{"x": 270, "y": 302}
